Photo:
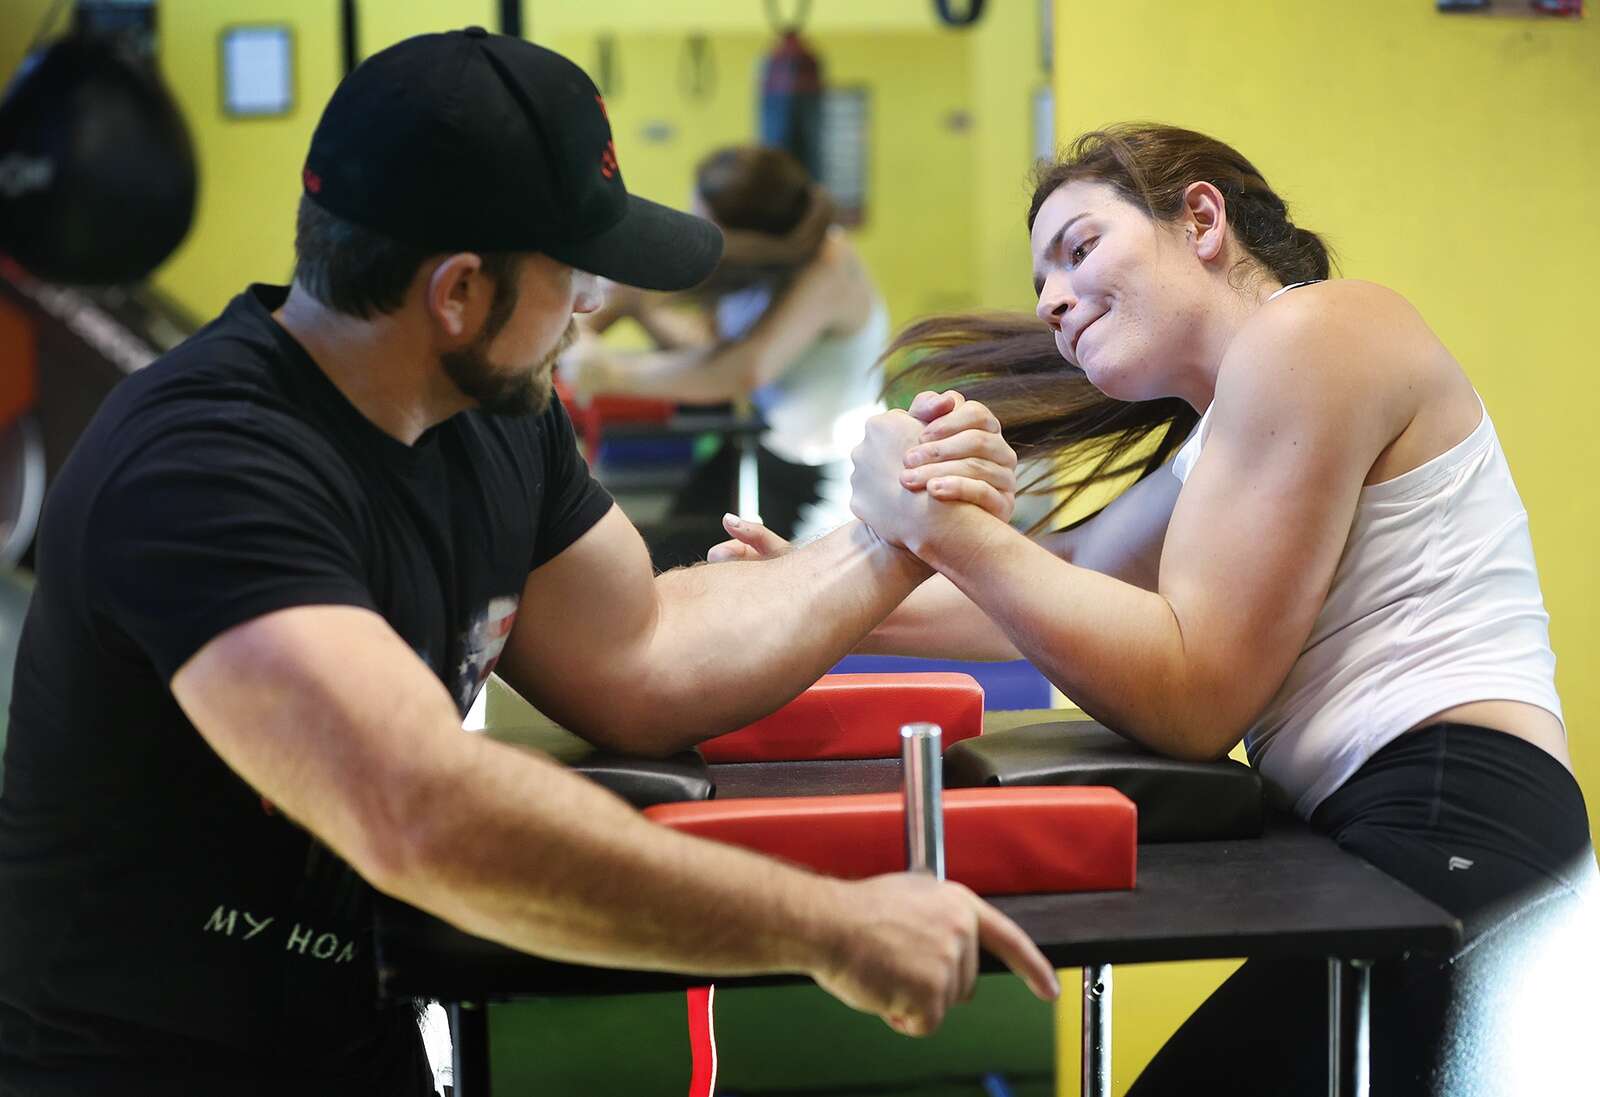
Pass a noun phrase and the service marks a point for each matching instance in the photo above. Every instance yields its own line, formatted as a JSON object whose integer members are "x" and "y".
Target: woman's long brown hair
{"x": 1073, "y": 434}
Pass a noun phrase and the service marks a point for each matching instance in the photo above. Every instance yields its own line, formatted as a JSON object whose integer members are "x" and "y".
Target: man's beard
{"x": 502, "y": 391}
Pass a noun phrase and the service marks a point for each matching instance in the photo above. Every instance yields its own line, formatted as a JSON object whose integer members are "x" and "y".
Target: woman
{"x": 790, "y": 322}
{"x": 1335, "y": 566}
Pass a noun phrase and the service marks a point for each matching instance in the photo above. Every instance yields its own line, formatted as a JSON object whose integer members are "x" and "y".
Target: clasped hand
{"x": 914, "y": 471}
{"x": 918, "y": 472}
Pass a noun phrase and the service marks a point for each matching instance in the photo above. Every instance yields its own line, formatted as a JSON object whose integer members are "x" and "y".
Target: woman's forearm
{"x": 939, "y": 622}
{"x": 1136, "y": 676}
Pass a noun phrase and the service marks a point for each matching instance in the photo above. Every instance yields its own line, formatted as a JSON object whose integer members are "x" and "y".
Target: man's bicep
{"x": 585, "y": 621}
{"x": 329, "y": 715}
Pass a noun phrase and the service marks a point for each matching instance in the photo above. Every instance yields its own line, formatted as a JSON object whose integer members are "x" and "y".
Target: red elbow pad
{"x": 998, "y": 841}
{"x": 856, "y": 716}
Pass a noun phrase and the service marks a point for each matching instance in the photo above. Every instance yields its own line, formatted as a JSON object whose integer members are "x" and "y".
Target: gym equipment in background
{"x": 63, "y": 349}
{"x": 97, "y": 172}
{"x": 789, "y": 112}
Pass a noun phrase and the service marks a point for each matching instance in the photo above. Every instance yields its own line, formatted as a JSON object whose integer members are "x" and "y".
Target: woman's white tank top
{"x": 1435, "y": 603}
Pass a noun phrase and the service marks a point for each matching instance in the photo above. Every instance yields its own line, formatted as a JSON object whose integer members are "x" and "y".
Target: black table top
{"x": 1289, "y": 892}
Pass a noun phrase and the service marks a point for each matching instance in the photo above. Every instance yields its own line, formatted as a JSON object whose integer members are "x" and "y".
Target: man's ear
{"x": 449, "y": 293}
{"x": 1205, "y": 212}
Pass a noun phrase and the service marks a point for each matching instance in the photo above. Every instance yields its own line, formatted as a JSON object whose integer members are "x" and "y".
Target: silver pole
{"x": 1335, "y": 1023}
{"x": 748, "y": 482}
{"x": 1096, "y": 1031}
{"x": 1349, "y": 1028}
{"x": 1361, "y": 1053}
{"x": 924, "y": 774}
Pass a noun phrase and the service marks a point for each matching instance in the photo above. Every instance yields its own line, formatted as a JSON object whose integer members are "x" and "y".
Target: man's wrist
{"x": 898, "y": 559}
{"x": 820, "y": 934}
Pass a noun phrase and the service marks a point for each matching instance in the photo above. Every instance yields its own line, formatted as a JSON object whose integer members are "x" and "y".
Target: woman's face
{"x": 1119, "y": 290}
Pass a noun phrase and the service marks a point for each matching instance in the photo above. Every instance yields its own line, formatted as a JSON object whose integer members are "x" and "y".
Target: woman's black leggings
{"x": 1494, "y": 830}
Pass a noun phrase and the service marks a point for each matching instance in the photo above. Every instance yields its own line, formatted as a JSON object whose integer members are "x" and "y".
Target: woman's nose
{"x": 1055, "y": 300}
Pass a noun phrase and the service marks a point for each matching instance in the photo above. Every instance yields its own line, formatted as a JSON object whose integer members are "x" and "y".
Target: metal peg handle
{"x": 924, "y": 772}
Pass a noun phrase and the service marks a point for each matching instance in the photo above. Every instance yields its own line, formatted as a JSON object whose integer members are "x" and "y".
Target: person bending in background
{"x": 283, "y": 559}
{"x": 790, "y": 321}
{"x": 1334, "y": 565}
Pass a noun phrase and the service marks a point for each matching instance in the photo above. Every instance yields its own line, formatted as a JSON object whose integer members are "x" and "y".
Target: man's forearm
{"x": 517, "y": 850}
{"x": 737, "y": 640}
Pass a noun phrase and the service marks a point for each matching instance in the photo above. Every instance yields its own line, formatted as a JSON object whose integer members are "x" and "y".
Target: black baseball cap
{"x": 471, "y": 141}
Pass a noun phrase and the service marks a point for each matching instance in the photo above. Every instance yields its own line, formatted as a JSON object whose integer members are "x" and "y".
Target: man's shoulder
{"x": 233, "y": 376}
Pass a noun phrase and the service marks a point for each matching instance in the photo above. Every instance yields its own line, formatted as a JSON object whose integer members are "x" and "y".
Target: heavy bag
{"x": 97, "y": 173}
{"x": 790, "y": 111}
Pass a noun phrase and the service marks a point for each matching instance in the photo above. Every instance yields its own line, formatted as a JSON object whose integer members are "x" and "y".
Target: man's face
{"x": 508, "y": 368}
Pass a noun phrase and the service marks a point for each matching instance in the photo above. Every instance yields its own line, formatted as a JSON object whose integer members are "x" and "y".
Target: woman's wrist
{"x": 957, "y": 538}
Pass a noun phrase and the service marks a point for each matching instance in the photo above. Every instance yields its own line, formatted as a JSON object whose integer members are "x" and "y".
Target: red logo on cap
{"x": 608, "y": 160}
{"x": 312, "y": 180}
{"x": 603, "y": 112}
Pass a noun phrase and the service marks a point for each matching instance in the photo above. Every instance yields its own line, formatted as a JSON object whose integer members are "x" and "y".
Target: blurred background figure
{"x": 790, "y": 324}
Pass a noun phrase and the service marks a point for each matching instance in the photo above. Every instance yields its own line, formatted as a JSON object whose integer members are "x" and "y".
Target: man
{"x": 280, "y": 564}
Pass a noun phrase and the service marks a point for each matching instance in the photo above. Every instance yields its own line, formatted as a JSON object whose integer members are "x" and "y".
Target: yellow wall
{"x": 942, "y": 231}
{"x": 1453, "y": 158}
{"x": 917, "y": 238}
{"x": 249, "y": 168}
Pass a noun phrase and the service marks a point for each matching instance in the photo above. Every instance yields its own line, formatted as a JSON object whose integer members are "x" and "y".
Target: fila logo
{"x": 1459, "y": 862}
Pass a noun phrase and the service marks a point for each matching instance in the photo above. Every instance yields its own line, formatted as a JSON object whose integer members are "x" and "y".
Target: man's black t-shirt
{"x": 162, "y": 928}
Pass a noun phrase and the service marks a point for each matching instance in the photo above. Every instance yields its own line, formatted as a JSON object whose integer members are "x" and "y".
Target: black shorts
{"x": 1494, "y": 830}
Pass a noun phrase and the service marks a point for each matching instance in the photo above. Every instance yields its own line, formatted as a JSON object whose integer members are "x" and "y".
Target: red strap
{"x": 856, "y": 716}
{"x": 19, "y": 350}
{"x": 702, "y": 1041}
{"x": 998, "y": 841}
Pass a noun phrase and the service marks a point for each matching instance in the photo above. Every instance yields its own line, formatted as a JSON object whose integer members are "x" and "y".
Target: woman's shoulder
{"x": 1336, "y": 301}
{"x": 1370, "y": 327}
{"x": 1344, "y": 348}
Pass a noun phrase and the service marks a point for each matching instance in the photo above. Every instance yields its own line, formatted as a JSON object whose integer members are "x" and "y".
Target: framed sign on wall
{"x": 257, "y": 67}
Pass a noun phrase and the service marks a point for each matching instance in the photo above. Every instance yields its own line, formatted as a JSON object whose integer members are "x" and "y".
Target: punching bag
{"x": 791, "y": 101}
{"x": 97, "y": 173}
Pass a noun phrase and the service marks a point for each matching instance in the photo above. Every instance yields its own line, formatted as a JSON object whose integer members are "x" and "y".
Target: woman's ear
{"x": 1205, "y": 213}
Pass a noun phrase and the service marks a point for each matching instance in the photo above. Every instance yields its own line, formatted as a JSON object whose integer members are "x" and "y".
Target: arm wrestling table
{"x": 1289, "y": 892}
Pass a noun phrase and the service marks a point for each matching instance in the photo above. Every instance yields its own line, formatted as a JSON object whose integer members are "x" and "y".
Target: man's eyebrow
{"x": 1053, "y": 244}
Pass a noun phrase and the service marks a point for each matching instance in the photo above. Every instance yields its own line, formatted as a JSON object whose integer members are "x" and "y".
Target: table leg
{"x": 1349, "y": 1027}
{"x": 1096, "y": 1031}
{"x": 469, "y": 1049}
